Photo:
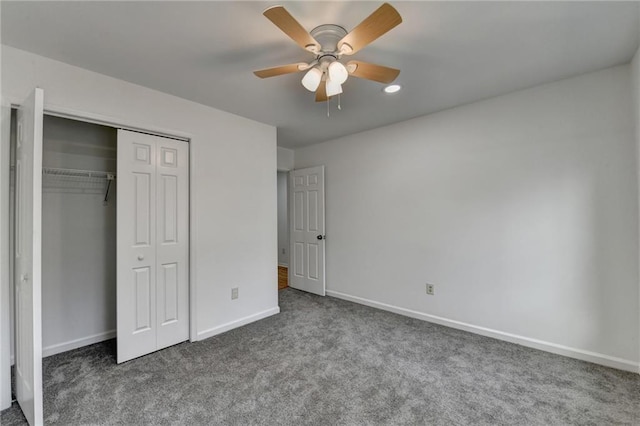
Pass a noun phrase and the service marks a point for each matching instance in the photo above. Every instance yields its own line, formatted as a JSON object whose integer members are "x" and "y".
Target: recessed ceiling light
{"x": 393, "y": 88}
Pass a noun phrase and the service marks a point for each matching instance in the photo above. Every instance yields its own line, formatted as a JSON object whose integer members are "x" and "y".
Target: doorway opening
{"x": 78, "y": 234}
{"x": 283, "y": 230}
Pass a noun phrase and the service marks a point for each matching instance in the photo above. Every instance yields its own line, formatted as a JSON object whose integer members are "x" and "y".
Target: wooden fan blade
{"x": 379, "y": 22}
{"x": 283, "y": 69}
{"x": 321, "y": 93}
{"x": 287, "y": 23}
{"x": 373, "y": 72}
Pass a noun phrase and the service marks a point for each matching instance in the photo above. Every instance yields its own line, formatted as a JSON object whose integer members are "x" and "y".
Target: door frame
{"x": 5, "y": 258}
{"x": 287, "y": 171}
{"x": 6, "y": 104}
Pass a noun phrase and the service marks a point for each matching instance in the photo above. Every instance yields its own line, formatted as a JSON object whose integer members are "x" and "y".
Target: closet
{"x": 100, "y": 240}
{"x": 79, "y": 230}
{"x": 78, "y": 234}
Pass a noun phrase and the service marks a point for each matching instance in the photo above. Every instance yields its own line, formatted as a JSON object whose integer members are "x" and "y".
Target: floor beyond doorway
{"x": 344, "y": 364}
{"x": 283, "y": 277}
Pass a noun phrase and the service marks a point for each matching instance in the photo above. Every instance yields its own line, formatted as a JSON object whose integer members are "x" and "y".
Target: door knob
{"x": 321, "y": 237}
{"x": 140, "y": 257}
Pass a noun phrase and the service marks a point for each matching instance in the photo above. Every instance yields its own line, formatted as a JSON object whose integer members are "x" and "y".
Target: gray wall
{"x": 285, "y": 159}
{"x": 78, "y": 236}
{"x": 521, "y": 209}
{"x": 233, "y": 161}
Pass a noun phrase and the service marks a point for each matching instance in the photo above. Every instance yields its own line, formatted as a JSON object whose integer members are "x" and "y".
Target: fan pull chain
{"x": 329, "y": 110}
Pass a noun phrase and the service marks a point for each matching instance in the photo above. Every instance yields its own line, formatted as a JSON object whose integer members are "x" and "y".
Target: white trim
{"x": 77, "y": 343}
{"x": 193, "y": 228}
{"x": 5, "y": 259}
{"x": 284, "y": 265}
{"x": 596, "y": 358}
{"x": 105, "y": 120}
{"x": 635, "y": 84}
{"x": 205, "y": 334}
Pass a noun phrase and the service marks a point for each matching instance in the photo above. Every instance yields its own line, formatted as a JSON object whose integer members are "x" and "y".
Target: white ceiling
{"x": 450, "y": 53}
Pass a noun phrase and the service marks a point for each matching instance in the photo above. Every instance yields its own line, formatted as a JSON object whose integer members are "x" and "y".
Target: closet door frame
{"x": 73, "y": 114}
{"x": 6, "y": 280}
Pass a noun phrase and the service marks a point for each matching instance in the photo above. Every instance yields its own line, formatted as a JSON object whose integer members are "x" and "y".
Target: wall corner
{"x": 285, "y": 159}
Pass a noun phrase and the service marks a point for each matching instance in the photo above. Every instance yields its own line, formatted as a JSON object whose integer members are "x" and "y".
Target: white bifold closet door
{"x": 153, "y": 243}
{"x": 28, "y": 260}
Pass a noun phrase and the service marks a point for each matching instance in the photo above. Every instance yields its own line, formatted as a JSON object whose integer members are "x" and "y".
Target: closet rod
{"x": 78, "y": 173}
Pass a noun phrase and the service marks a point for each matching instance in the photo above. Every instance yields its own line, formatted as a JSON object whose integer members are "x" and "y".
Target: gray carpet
{"x": 324, "y": 361}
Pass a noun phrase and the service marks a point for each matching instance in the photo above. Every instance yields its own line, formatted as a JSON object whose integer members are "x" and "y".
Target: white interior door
{"x": 306, "y": 222}
{"x": 28, "y": 255}
{"x": 152, "y": 247}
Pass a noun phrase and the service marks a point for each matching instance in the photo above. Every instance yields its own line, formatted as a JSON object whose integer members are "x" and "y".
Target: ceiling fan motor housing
{"x": 328, "y": 35}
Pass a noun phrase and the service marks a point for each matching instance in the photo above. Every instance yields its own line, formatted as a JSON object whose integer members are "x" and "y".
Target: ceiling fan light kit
{"x": 312, "y": 79}
{"x": 338, "y": 72}
{"x": 329, "y": 43}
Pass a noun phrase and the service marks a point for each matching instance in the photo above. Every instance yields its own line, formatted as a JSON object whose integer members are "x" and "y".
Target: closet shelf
{"x": 78, "y": 181}
{"x": 78, "y": 173}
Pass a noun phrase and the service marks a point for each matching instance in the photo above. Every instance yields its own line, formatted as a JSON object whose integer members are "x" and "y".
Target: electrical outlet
{"x": 430, "y": 289}
{"x": 234, "y": 293}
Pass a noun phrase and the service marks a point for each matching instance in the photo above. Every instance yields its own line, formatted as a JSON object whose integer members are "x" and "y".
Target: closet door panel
{"x": 142, "y": 209}
{"x": 168, "y": 284}
{"x": 143, "y": 299}
{"x": 172, "y": 232}
{"x": 28, "y": 260}
{"x": 136, "y": 245}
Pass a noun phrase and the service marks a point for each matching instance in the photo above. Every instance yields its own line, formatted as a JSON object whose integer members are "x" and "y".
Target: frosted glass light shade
{"x": 333, "y": 88}
{"x": 338, "y": 72}
{"x": 311, "y": 79}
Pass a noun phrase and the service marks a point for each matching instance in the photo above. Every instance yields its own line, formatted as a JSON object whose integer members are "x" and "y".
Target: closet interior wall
{"x": 78, "y": 235}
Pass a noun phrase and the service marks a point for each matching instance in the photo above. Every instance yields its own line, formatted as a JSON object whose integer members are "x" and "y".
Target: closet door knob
{"x": 140, "y": 257}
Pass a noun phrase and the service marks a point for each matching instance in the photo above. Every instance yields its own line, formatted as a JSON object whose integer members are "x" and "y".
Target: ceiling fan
{"x": 329, "y": 43}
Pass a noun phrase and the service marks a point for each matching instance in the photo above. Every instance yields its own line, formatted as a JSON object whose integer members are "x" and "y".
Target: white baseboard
{"x": 205, "y": 334}
{"x": 77, "y": 343}
{"x": 594, "y": 357}
{"x": 284, "y": 265}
